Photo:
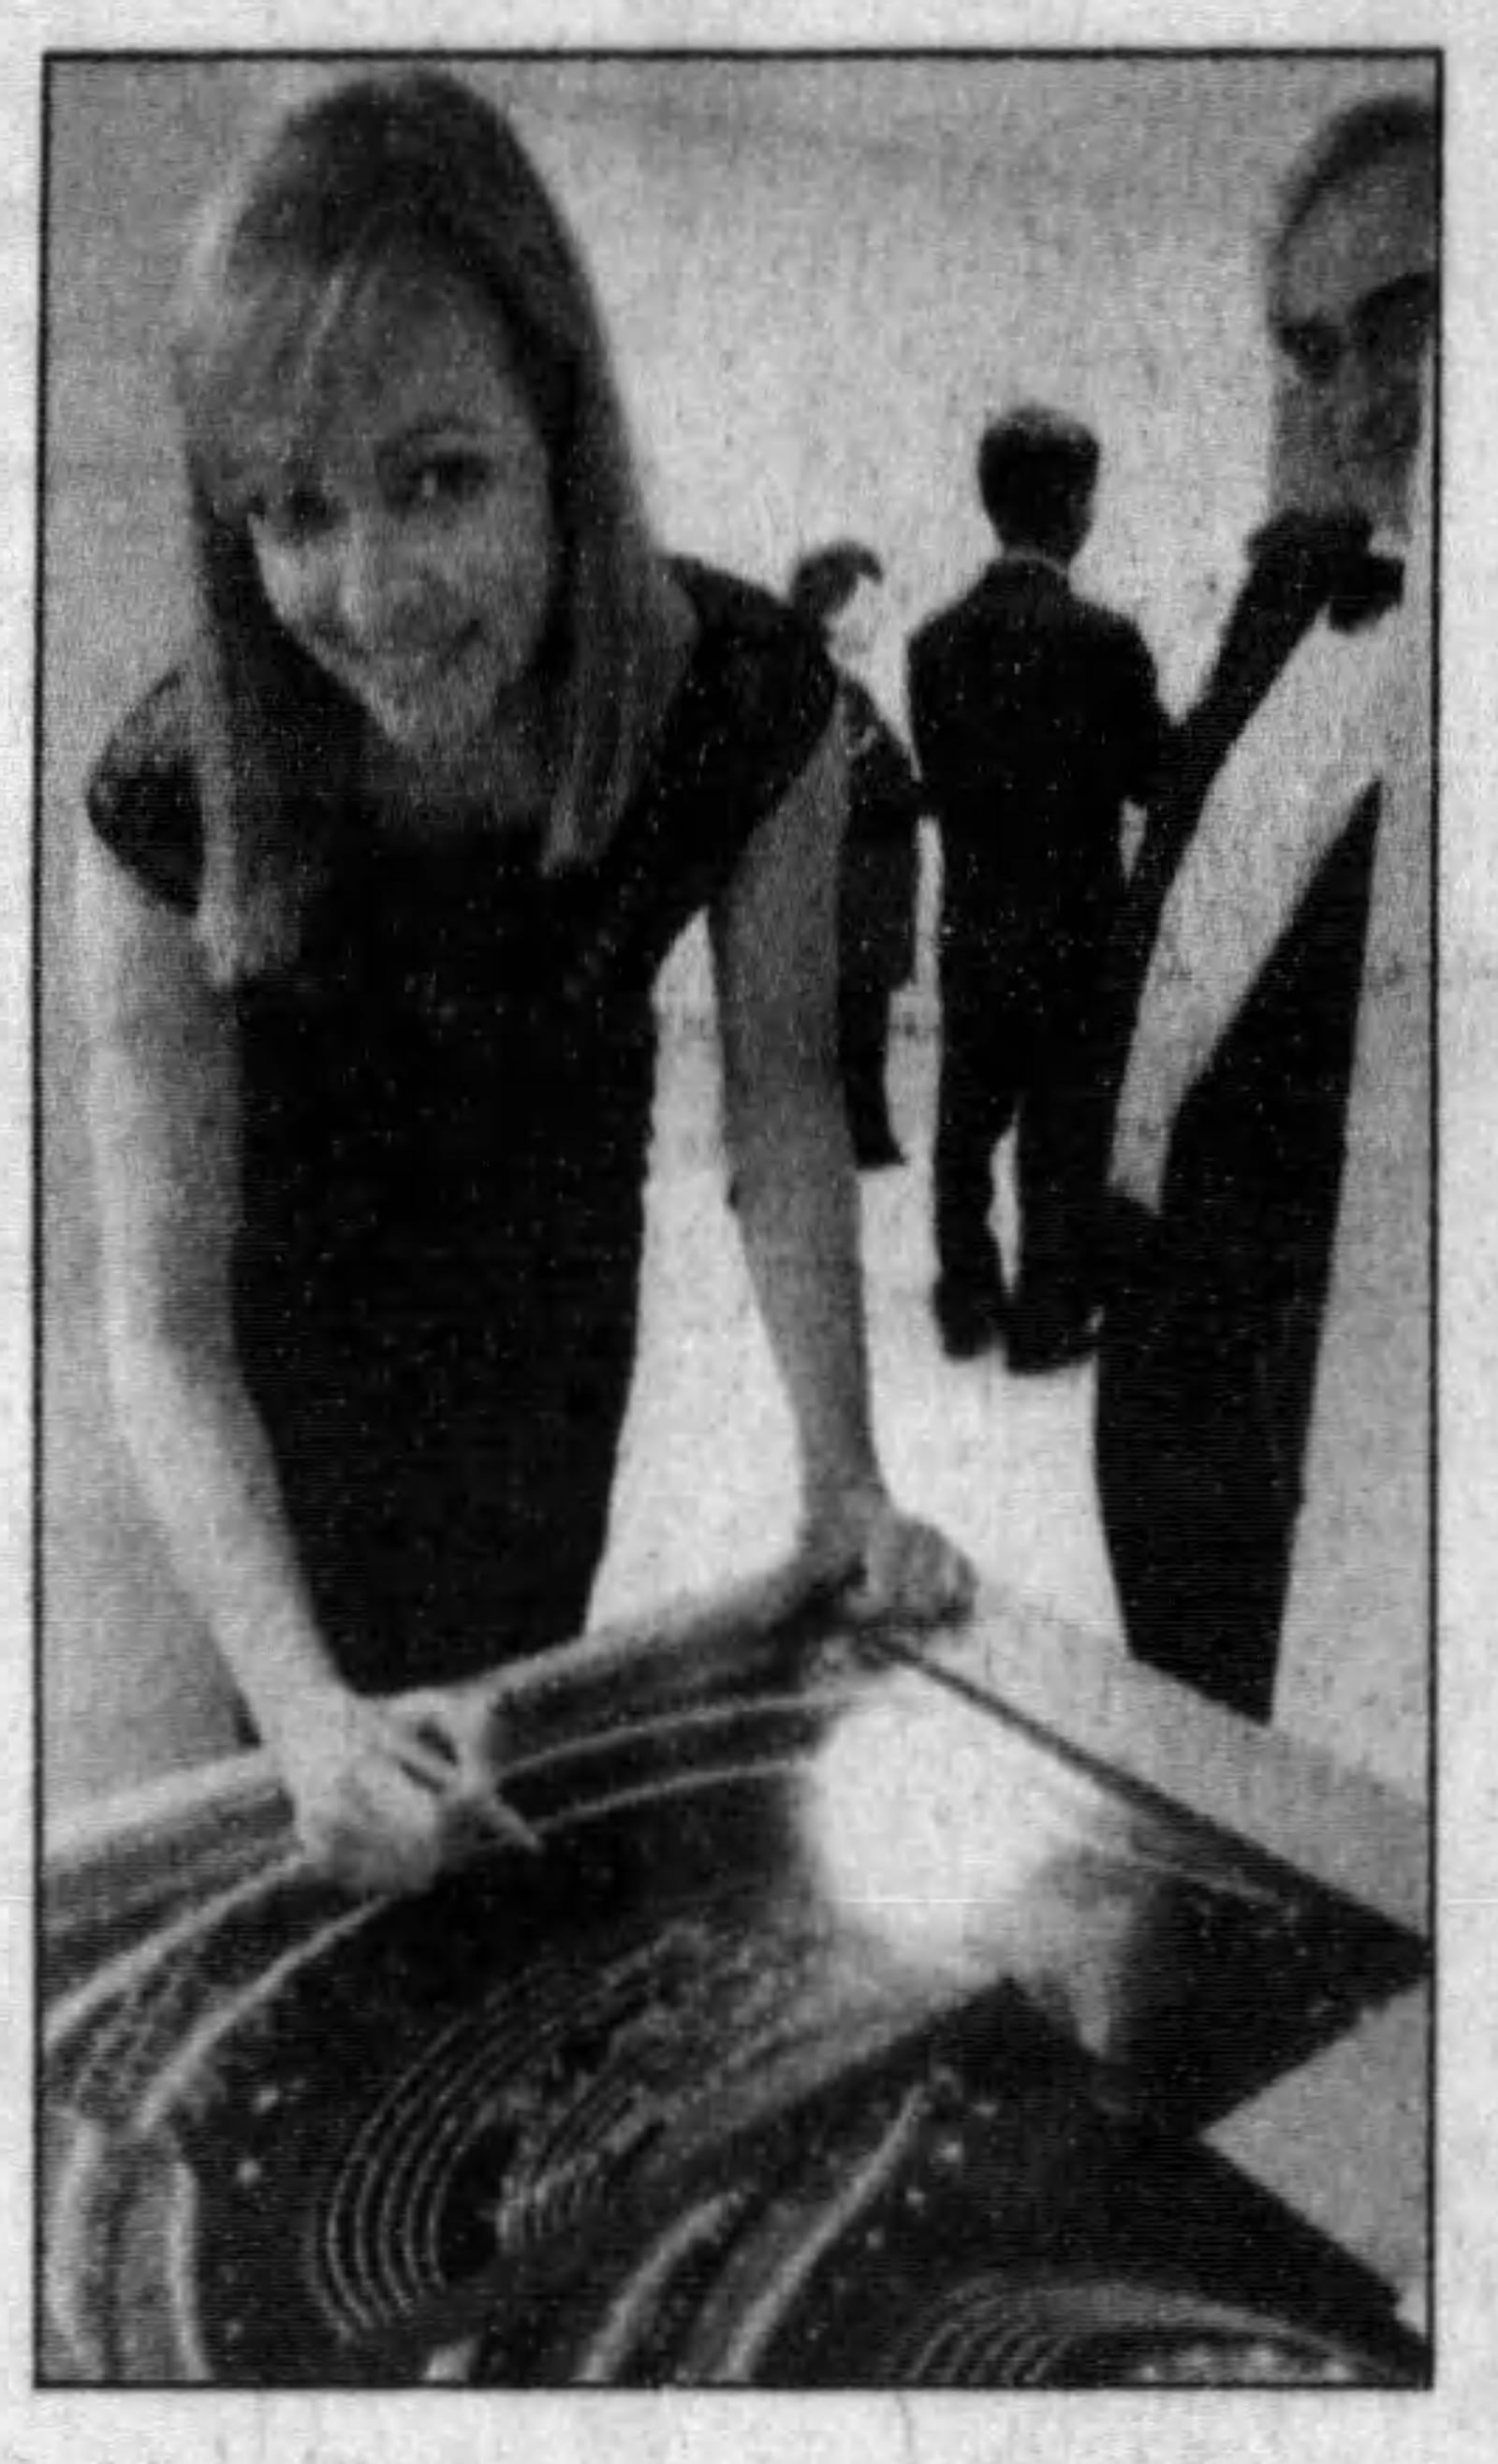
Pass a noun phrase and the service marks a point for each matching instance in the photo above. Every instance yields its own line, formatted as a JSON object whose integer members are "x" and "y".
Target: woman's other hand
{"x": 884, "y": 1565}
{"x": 387, "y": 1793}
{"x": 465, "y": 1727}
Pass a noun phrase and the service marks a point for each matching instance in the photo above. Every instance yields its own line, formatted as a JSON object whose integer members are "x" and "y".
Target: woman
{"x": 378, "y": 884}
{"x": 837, "y": 589}
{"x": 1232, "y": 1122}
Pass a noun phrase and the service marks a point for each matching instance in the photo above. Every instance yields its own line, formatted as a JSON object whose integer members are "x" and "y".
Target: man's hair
{"x": 825, "y": 579}
{"x": 1036, "y": 467}
{"x": 1350, "y": 142}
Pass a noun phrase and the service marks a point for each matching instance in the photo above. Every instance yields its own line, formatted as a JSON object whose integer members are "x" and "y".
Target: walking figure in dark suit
{"x": 838, "y": 589}
{"x": 1036, "y": 716}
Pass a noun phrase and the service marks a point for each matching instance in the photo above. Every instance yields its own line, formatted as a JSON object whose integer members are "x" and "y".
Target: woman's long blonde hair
{"x": 416, "y": 166}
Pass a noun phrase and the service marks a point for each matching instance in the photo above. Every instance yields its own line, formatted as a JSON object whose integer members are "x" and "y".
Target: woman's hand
{"x": 390, "y": 1792}
{"x": 882, "y": 1564}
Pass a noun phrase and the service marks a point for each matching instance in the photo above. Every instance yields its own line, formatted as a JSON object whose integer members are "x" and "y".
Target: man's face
{"x": 1356, "y": 317}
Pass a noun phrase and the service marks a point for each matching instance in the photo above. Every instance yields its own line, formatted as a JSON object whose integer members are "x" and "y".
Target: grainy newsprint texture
{"x": 901, "y": 2037}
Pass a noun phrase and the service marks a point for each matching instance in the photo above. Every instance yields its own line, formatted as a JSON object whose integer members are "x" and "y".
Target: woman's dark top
{"x": 445, "y": 1113}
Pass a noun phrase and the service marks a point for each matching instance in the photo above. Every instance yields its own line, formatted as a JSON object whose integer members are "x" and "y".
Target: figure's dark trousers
{"x": 1021, "y": 1048}
{"x": 864, "y": 1007}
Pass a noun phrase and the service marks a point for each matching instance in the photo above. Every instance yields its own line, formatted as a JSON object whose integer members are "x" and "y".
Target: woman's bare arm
{"x": 383, "y": 1791}
{"x": 163, "y": 1110}
{"x": 796, "y": 1191}
{"x": 775, "y": 947}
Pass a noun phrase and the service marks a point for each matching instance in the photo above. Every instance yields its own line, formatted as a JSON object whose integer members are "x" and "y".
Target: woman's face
{"x": 409, "y": 542}
{"x": 1356, "y": 317}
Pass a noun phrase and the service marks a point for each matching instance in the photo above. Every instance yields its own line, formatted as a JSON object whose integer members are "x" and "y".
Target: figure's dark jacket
{"x": 881, "y": 855}
{"x": 1035, "y": 717}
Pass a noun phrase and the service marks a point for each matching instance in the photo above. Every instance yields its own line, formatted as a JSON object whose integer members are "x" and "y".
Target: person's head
{"x": 840, "y": 590}
{"x": 1037, "y": 475}
{"x": 1351, "y": 290}
{"x": 412, "y": 487}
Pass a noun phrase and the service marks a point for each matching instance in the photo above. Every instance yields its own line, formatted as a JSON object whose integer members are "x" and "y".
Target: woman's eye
{"x": 292, "y": 515}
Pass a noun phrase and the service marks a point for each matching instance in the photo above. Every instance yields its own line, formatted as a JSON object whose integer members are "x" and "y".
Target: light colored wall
{"x": 822, "y": 277}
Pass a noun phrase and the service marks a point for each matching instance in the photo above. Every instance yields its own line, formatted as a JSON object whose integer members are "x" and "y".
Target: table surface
{"x": 1343, "y": 2140}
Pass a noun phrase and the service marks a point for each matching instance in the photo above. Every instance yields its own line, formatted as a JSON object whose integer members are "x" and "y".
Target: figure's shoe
{"x": 971, "y": 1317}
{"x": 877, "y": 1149}
{"x": 1039, "y": 1341}
{"x": 869, "y": 1127}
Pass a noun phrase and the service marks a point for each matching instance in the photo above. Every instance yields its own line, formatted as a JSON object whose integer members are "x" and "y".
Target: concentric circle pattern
{"x": 647, "y": 2110}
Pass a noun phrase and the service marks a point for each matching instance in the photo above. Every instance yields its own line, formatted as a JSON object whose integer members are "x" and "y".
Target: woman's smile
{"x": 405, "y": 669}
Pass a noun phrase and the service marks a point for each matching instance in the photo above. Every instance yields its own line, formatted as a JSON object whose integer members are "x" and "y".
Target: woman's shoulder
{"x": 728, "y": 602}
{"x": 762, "y": 669}
{"x": 142, "y": 794}
{"x": 751, "y": 707}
